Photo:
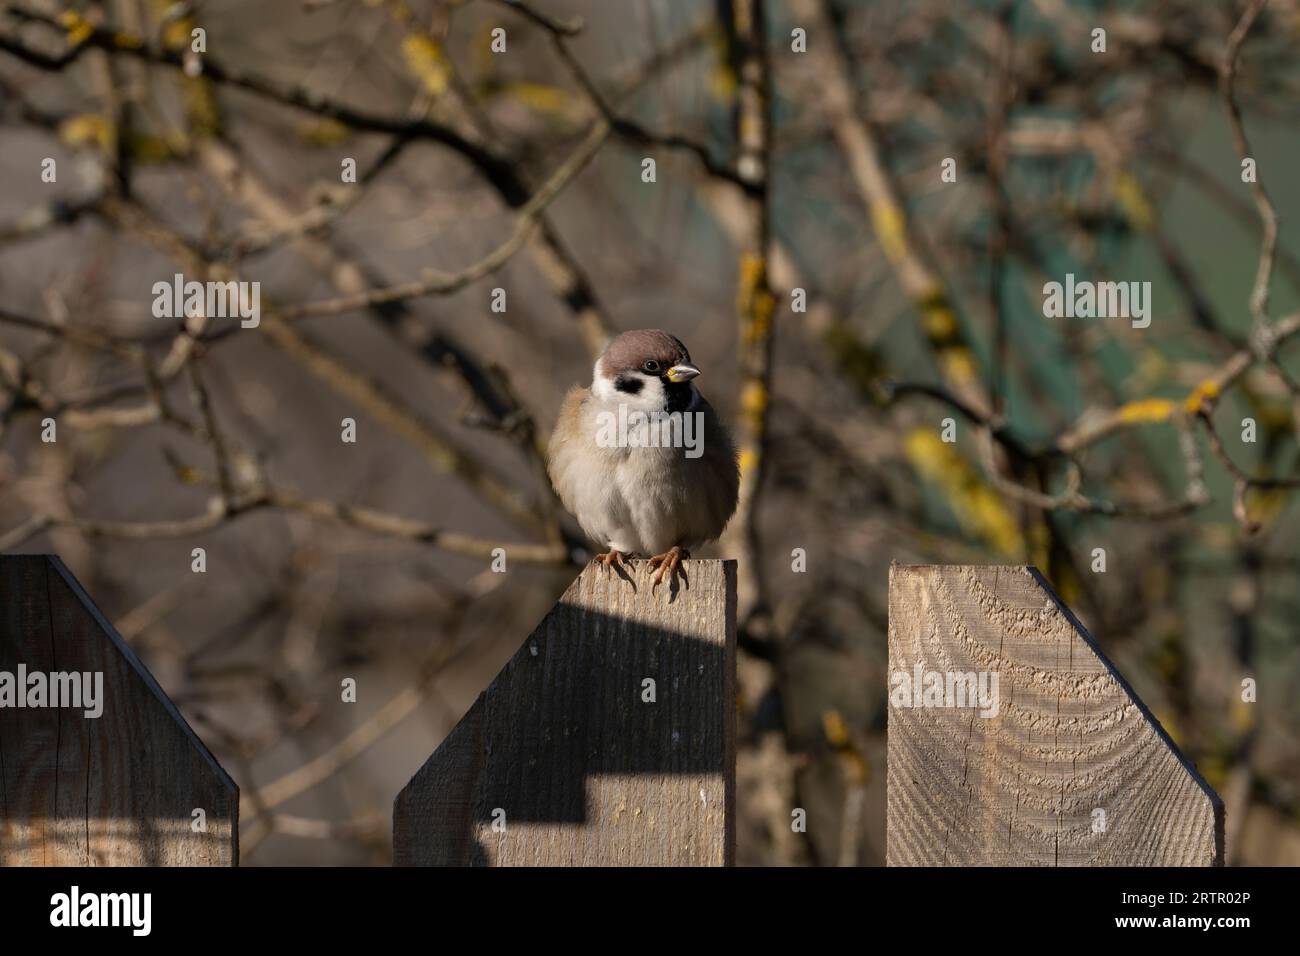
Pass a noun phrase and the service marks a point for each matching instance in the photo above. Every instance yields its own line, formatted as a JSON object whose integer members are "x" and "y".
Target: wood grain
{"x": 113, "y": 790}
{"x": 1069, "y": 738}
{"x": 586, "y": 772}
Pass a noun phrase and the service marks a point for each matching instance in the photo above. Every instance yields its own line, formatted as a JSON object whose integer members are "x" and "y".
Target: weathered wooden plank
{"x": 563, "y": 749}
{"x": 117, "y": 789}
{"x": 1069, "y": 768}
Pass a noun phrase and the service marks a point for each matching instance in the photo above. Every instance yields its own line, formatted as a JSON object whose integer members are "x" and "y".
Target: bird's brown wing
{"x": 721, "y": 479}
{"x": 566, "y": 442}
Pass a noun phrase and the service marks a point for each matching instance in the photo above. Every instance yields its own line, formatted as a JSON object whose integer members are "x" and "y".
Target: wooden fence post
{"x": 608, "y": 739}
{"x": 120, "y": 788}
{"x": 1061, "y": 765}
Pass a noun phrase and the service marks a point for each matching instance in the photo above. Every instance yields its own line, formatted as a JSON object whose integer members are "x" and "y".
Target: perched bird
{"x": 641, "y": 459}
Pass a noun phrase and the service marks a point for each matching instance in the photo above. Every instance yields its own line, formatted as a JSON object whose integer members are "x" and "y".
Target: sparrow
{"x": 641, "y": 459}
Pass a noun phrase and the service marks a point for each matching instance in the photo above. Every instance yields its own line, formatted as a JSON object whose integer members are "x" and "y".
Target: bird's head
{"x": 647, "y": 370}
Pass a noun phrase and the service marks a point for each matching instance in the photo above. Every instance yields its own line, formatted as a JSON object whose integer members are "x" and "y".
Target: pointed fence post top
{"x": 607, "y": 739}
{"x": 1012, "y": 739}
{"x": 100, "y": 768}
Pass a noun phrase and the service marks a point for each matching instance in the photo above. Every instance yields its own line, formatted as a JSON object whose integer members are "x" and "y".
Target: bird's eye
{"x": 651, "y": 366}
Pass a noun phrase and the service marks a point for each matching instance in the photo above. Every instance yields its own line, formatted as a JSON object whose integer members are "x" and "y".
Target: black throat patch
{"x": 677, "y": 396}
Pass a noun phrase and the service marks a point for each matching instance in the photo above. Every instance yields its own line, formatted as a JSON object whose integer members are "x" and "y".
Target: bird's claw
{"x": 670, "y": 564}
{"x": 614, "y": 559}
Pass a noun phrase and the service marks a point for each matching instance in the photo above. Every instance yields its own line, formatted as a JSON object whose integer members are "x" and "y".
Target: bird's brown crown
{"x": 631, "y": 350}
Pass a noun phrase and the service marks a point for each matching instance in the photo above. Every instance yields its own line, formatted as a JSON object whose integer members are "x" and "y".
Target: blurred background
{"x": 841, "y": 293}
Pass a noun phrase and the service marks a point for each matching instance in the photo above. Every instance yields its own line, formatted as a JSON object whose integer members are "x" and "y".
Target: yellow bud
{"x": 1147, "y": 410}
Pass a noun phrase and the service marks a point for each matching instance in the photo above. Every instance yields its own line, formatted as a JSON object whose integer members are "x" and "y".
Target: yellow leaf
{"x": 753, "y": 269}
{"x": 891, "y": 229}
{"x": 176, "y": 34}
{"x": 722, "y": 83}
{"x": 747, "y": 460}
{"x": 837, "y": 735}
{"x": 1263, "y": 505}
{"x": 1207, "y": 390}
{"x": 150, "y": 148}
{"x": 427, "y": 61}
{"x": 1131, "y": 199}
{"x": 938, "y": 322}
{"x": 87, "y": 129}
{"x": 836, "y": 730}
{"x": 201, "y": 106}
{"x": 753, "y": 402}
{"x": 722, "y": 78}
{"x": 753, "y": 299}
{"x": 78, "y": 27}
{"x": 959, "y": 364}
{"x": 1147, "y": 410}
{"x": 325, "y": 132}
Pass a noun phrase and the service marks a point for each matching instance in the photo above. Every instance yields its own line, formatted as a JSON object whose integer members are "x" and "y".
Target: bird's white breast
{"x": 631, "y": 499}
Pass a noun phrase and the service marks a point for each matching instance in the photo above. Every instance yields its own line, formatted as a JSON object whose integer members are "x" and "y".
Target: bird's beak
{"x": 682, "y": 373}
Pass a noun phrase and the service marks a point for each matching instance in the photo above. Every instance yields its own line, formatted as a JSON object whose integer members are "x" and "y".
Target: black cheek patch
{"x": 631, "y": 384}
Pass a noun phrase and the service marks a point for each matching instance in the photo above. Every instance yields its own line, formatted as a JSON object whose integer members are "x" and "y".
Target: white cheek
{"x": 604, "y": 390}
{"x": 651, "y": 398}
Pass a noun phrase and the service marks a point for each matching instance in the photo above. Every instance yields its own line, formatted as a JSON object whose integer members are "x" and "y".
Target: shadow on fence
{"x": 608, "y": 738}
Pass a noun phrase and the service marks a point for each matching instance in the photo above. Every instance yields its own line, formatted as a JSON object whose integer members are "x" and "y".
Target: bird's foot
{"x": 614, "y": 559}
{"x": 670, "y": 564}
